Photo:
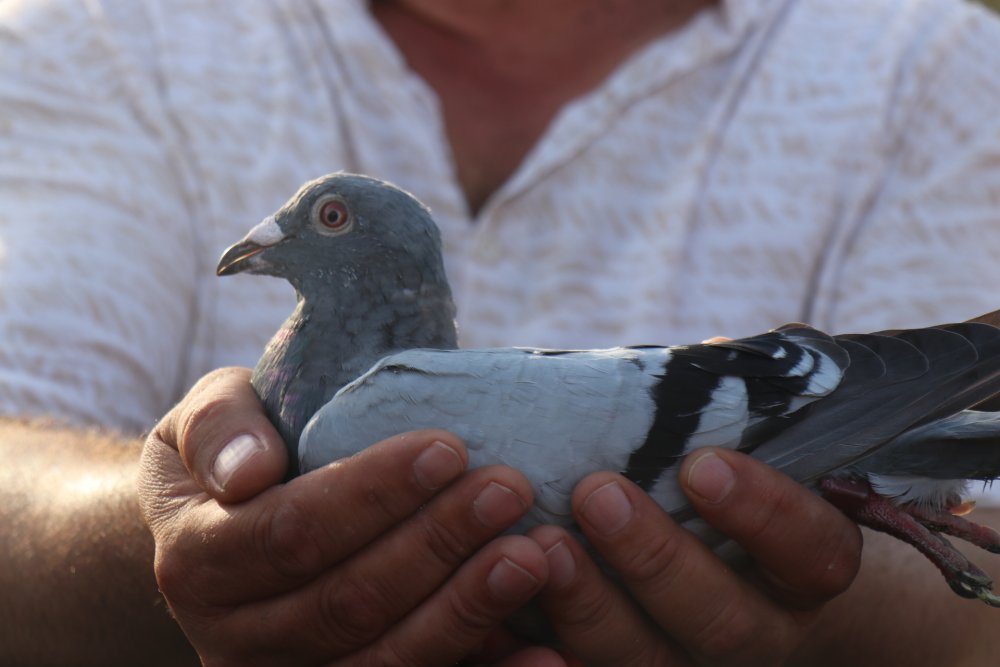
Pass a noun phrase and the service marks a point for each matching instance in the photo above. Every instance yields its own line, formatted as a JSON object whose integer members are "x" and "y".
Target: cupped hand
{"x": 387, "y": 557}
{"x": 680, "y": 604}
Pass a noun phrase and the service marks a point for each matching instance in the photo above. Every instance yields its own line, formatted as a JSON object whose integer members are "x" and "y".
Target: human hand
{"x": 386, "y": 557}
{"x": 685, "y": 606}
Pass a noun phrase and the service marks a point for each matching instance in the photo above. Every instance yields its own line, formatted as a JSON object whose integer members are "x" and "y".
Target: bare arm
{"x": 899, "y": 611}
{"x": 76, "y": 558}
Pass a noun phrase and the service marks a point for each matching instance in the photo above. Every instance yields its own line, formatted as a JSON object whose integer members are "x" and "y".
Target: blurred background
{"x": 995, "y": 4}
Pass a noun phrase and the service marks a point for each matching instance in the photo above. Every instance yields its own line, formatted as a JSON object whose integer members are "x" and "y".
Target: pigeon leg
{"x": 862, "y": 504}
{"x": 943, "y": 521}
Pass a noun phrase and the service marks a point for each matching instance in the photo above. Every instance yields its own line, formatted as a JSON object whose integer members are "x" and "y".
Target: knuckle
{"x": 382, "y": 500}
{"x": 202, "y": 413}
{"x": 469, "y": 617}
{"x": 174, "y": 566}
{"x": 726, "y": 634}
{"x": 657, "y": 559}
{"x": 351, "y": 612}
{"x": 443, "y": 542}
{"x": 733, "y": 631}
{"x": 657, "y": 654}
{"x": 388, "y": 654}
{"x": 648, "y": 654}
{"x": 165, "y": 431}
{"x": 185, "y": 593}
{"x": 285, "y": 537}
{"x": 172, "y": 575}
{"x": 212, "y": 379}
{"x": 162, "y": 431}
{"x": 765, "y": 516}
{"x": 590, "y": 611}
{"x": 197, "y": 419}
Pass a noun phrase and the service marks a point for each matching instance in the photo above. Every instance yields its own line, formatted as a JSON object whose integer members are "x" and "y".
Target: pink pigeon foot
{"x": 922, "y": 529}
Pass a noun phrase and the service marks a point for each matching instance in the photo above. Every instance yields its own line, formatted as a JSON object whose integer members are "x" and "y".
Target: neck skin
{"x": 503, "y": 69}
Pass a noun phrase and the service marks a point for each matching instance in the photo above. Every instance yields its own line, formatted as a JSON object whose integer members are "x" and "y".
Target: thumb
{"x": 223, "y": 437}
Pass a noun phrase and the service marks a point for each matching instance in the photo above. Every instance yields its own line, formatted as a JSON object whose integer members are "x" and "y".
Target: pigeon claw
{"x": 973, "y": 587}
{"x": 971, "y": 582}
{"x": 922, "y": 528}
{"x": 989, "y": 597}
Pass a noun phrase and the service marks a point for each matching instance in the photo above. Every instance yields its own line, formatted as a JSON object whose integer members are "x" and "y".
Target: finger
{"x": 534, "y": 656}
{"x": 292, "y": 533}
{"x": 456, "y": 619}
{"x": 224, "y": 437}
{"x": 594, "y": 617}
{"x": 500, "y": 643}
{"x": 710, "y": 611}
{"x": 354, "y": 604}
{"x": 504, "y": 647}
{"x": 808, "y": 551}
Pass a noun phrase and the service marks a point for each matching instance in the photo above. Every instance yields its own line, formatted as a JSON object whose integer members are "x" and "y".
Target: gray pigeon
{"x": 880, "y": 424}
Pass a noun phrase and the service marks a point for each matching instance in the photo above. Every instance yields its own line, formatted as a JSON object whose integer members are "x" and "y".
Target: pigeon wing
{"x": 558, "y": 415}
{"x": 963, "y": 446}
{"x": 928, "y": 374}
{"x": 553, "y": 415}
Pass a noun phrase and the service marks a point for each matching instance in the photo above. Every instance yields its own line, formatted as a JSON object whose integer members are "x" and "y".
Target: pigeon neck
{"x": 352, "y": 330}
{"x": 335, "y": 335}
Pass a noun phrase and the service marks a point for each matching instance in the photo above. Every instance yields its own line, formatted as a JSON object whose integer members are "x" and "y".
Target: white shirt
{"x": 829, "y": 161}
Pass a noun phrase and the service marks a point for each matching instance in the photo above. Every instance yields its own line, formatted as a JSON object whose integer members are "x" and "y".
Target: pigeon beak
{"x": 244, "y": 255}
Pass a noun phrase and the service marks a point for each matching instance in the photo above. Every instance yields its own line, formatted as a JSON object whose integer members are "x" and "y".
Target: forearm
{"x": 75, "y": 557}
{"x": 900, "y": 611}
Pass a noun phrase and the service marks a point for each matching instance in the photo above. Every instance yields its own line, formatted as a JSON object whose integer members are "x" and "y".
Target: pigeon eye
{"x": 333, "y": 215}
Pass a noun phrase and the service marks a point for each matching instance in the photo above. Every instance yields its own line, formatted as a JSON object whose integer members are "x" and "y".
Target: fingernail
{"x": 497, "y": 506}
{"x": 711, "y": 478}
{"x": 237, "y": 452}
{"x": 510, "y": 582}
{"x": 607, "y": 509}
{"x": 437, "y": 465}
{"x": 562, "y": 567}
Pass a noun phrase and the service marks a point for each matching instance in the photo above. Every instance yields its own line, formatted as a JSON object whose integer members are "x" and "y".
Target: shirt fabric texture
{"x": 829, "y": 161}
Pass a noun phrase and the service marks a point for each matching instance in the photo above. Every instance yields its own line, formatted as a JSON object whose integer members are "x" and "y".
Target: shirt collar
{"x": 739, "y": 14}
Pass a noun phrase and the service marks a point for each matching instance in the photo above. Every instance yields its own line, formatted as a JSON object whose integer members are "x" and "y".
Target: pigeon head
{"x": 365, "y": 260}
{"x": 342, "y": 231}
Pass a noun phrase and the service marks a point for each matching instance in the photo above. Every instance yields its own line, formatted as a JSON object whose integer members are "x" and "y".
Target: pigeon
{"x": 882, "y": 424}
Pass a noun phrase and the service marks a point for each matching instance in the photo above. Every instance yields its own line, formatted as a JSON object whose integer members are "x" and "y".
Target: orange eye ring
{"x": 333, "y": 215}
